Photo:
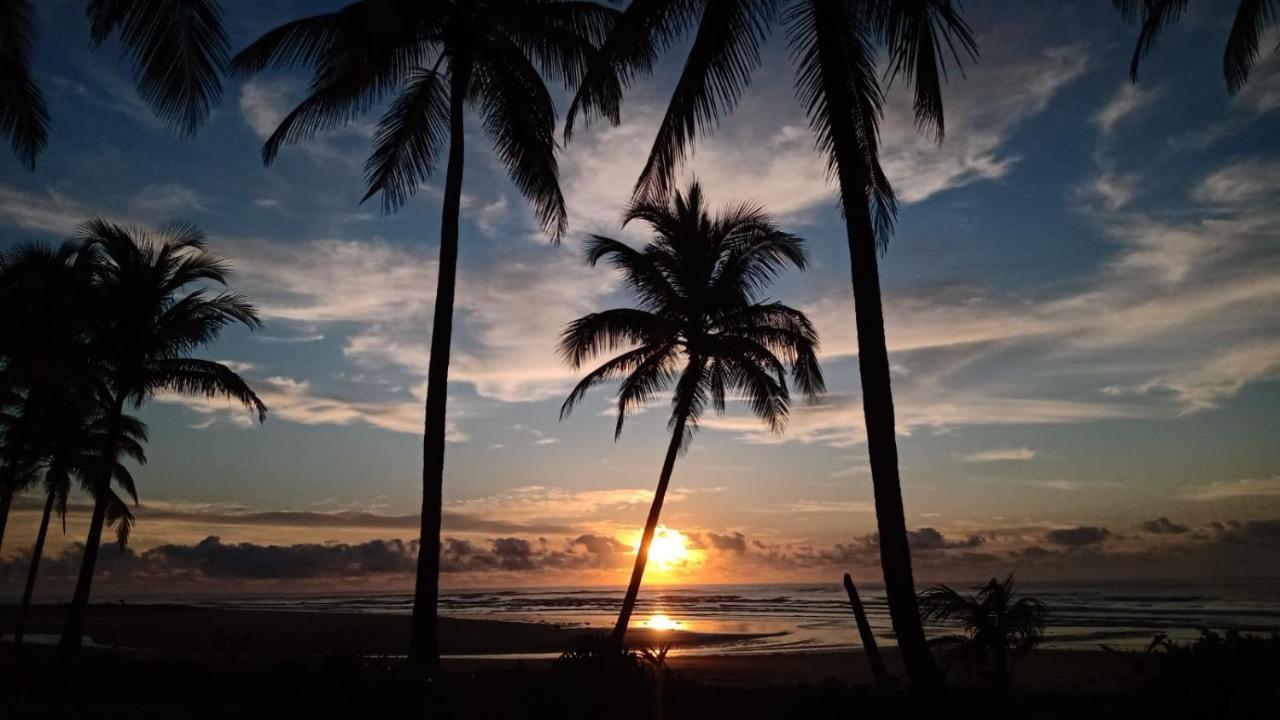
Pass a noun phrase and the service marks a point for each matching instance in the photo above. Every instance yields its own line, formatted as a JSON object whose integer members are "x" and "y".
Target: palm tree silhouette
{"x": 700, "y": 325}
{"x": 177, "y": 48}
{"x": 77, "y": 444}
{"x": 435, "y": 59}
{"x": 997, "y": 627}
{"x": 148, "y": 324}
{"x": 45, "y": 293}
{"x": 1252, "y": 19}
{"x": 833, "y": 47}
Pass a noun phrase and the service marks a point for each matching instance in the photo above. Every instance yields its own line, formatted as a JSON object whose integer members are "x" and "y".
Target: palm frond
{"x": 606, "y": 331}
{"x": 1156, "y": 17}
{"x": 919, "y": 34}
{"x": 178, "y": 49}
{"x": 118, "y": 516}
{"x": 725, "y": 51}
{"x": 837, "y": 85}
{"x": 409, "y": 139}
{"x": 191, "y": 376}
{"x": 1253, "y": 17}
{"x": 639, "y": 35}
{"x": 24, "y": 120}
{"x": 519, "y": 118}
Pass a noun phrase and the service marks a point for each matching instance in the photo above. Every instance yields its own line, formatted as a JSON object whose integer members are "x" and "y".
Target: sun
{"x": 669, "y": 549}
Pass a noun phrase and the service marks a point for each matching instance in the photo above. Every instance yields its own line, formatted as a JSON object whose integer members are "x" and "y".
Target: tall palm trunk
{"x": 424, "y": 646}
{"x": 6, "y": 501}
{"x": 651, "y": 526}
{"x": 36, "y": 553}
{"x": 72, "y": 631}
{"x": 882, "y": 445}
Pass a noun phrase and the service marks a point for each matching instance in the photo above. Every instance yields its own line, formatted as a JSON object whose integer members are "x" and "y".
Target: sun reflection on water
{"x": 662, "y": 622}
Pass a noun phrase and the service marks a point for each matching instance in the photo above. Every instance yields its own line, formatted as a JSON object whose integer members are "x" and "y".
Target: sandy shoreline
{"x": 471, "y": 645}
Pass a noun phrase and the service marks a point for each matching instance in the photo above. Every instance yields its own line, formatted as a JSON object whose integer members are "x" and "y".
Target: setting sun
{"x": 669, "y": 549}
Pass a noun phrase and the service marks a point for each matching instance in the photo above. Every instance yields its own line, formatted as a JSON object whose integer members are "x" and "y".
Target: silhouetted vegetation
{"x": 700, "y": 325}
{"x": 834, "y": 51}
{"x": 103, "y": 323}
{"x": 435, "y": 60}
{"x": 998, "y": 626}
{"x": 1252, "y": 19}
{"x": 177, "y": 49}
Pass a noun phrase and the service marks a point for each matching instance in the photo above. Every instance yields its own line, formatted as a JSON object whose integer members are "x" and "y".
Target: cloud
{"x": 830, "y": 506}
{"x": 1231, "y": 489}
{"x": 1163, "y": 526}
{"x": 1078, "y": 537}
{"x": 1128, "y": 100}
{"x": 1240, "y": 183}
{"x": 166, "y": 202}
{"x": 50, "y": 211}
{"x": 1000, "y": 454}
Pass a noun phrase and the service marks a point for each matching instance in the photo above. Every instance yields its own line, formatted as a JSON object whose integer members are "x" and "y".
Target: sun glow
{"x": 661, "y": 622}
{"x": 669, "y": 549}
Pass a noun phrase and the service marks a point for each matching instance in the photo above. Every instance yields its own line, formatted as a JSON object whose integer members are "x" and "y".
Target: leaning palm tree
{"x": 997, "y": 624}
{"x": 74, "y": 442}
{"x": 177, "y": 49}
{"x": 1252, "y": 19}
{"x": 149, "y": 323}
{"x": 699, "y": 324}
{"x": 834, "y": 49}
{"x": 435, "y": 59}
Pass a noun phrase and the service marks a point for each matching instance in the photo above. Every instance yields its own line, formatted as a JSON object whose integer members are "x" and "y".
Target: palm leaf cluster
{"x": 1251, "y": 21}
{"x": 105, "y": 322}
{"x": 177, "y": 50}
{"x": 700, "y": 324}
{"x": 997, "y": 625}
{"x": 493, "y": 56}
{"x": 833, "y": 49}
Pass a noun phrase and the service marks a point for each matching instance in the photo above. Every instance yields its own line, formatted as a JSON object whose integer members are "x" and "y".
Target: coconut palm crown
{"x": 997, "y": 624}
{"x": 700, "y": 325}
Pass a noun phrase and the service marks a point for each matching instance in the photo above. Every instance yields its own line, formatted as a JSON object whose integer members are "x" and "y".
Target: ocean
{"x": 807, "y": 617}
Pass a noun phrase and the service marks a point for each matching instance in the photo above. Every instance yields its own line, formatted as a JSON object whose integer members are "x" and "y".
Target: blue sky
{"x": 1081, "y": 308}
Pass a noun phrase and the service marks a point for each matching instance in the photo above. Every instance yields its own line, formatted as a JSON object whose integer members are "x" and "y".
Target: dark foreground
{"x": 185, "y": 663}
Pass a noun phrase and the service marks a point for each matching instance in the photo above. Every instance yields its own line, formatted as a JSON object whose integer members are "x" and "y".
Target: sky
{"x": 1081, "y": 304}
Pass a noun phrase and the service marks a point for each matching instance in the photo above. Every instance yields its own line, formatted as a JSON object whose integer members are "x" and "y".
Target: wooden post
{"x": 868, "y": 639}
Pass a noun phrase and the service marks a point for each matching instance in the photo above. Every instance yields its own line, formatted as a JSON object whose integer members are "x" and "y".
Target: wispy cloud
{"x": 999, "y": 455}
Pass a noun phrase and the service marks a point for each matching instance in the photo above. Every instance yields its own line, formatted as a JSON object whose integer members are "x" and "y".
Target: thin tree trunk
{"x": 6, "y": 501}
{"x": 882, "y": 445}
{"x": 650, "y": 526}
{"x": 69, "y": 645}
{"x": 868, "y": 638}
{"x": 36, "y": 553}
{"x": 424, "y": 645}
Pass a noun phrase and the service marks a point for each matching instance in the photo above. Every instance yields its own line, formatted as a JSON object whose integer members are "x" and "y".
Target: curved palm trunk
{"x": 650, "y": 526}
{"x": 424, "y": 646}
{"x": 69, "y": 644}
{"x": 6, "y": 501}
{"x": 882, "y": 445}
{"x": 37, "y": 551}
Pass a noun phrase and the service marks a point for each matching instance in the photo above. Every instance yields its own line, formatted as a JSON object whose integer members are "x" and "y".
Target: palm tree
{"x": 148, "y": 324}
{"x": 435, "y": 59}
{"x": 700, "y": 325}
{"x": 75, "y": 444}
{"x": 177, "y": 48}
{"x": 833, "y": 47}
{"x": 1252, "y": 19}
{"x": 998, "y": 625}
{"x": 44, "y": 328}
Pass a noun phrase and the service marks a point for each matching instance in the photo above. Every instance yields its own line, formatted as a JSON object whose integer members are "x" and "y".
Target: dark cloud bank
{"x": 1161, "y": 547}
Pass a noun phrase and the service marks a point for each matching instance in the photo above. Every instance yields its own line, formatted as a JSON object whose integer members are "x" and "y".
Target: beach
{"x": 470, "y": 645}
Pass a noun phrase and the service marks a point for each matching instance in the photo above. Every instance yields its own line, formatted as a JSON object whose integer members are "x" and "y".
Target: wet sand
{"x": 470, "y": 645}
